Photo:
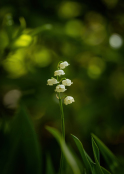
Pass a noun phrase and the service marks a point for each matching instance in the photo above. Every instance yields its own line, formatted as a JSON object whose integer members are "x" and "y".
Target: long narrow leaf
{"x": 107, "y": 154}
{"x": 96, "y": 150}
{"x": 24, "y": 143}
{"x": 96, "y": 156}
{"x": 49, "y": 169}
{"x": 105, "y": 171}
{"x": 95, "y": 170}
{"x": 68, "y": 155}
{"x": 92, "y": 166}
{"x": 83, "y": 154}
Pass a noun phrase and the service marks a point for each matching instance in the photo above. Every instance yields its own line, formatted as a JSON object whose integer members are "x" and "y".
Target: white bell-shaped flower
{"x": 68, "y": 100}
{"x": 67, "y": 82}
{"x": 52, "y": 81}
{"x": 60, "y": 88}
{"x": 63, "y": 64}
{"x": 59, "y": 73}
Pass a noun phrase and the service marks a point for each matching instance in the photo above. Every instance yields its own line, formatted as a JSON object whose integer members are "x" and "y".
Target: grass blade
{"x": 84, "y": 155}
{"x": 96, "y": 156}
{"x": 68, "y": 155}
{"x": 105, "y": 171}
{"x": 107, "y": 154}
{"x": 50, "y": 169}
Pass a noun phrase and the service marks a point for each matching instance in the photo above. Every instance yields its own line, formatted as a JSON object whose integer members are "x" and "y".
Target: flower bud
{"x": 59, "y": 73}
{"x": 68, "y": 100}
{"x": 60, "y": 88}
{"x": 52, "y": 81}
{"x": 63, "y": 64}
{"x": 67, "y": 82}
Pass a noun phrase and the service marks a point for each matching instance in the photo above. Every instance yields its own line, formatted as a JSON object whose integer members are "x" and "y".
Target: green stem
{"x": 62, "y": 118}
{"x": 63, "y": 132}
{"x": 58, "y": 64}
{"x": 62, "y": 79}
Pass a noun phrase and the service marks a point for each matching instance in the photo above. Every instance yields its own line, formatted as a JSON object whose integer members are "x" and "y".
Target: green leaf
{"x": 86, "y": 159}
{"x": 22, "y": 22}
{"x": 41, "y": 29}
{"x": 105, "y": 171}
{"x": 96, "y": 156}
{"x": 94, "y": 168}
{"x": 20, "y": 29}
{"x": 78, "y": 160}
{"x": 96, "y": 150}
{"x": 90, "y": 160}
{"x": 24, "y": 146}
{"x": 107, "y": 154}
{"x": 68, "y": 155}
{"x": 50, "y": 169}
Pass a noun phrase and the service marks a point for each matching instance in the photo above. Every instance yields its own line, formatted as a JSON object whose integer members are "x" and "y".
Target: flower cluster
{"x": 64, "y": 81}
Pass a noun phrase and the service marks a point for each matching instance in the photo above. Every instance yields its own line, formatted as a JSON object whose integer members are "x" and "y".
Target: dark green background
{"x": 34, "y": 37}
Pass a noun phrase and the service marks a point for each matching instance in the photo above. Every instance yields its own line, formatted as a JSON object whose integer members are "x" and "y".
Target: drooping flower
{"x": 60, "y": 88}
{"x": 68, "y": 100}
{"x": 67, "y": 82}
{"x": 59, "y": 73}
{"x": 63, "y": 64}
{"x": 52, "y": 81}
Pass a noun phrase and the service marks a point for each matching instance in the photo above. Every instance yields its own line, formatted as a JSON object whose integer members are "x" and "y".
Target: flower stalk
{"x": 67, "y": 99}
{"x": 62, "y": 119}
{"x": 63, "y": 132}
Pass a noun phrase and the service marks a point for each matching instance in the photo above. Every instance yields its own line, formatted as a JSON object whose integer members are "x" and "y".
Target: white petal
{"x": 67, "y": 82}
{"x": 63, "y": 64}
{"x": 52, "y": 81}
{"x": 60, "y": 88}
{"x": 68, "y": 100}
{"x": 59, "y": 72}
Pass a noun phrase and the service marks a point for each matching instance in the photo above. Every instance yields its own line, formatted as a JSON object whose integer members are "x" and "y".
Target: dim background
{"x": 34, "y": 37}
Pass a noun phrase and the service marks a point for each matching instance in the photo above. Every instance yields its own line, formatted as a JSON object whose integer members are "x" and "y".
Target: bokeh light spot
{"x": 43, "y": 58}
{"x": 95, "y": 31}
{"x": 94, "y": 71}
{"x": 69, "y": 9}
{"x": 11, "y": 98}
{"x": 115, "y": 41}
{"x": 74, "y": 28}
{"x": 23, "y": 41}
{"x": 14, "y": 64}
{"x": 96, "y": 67}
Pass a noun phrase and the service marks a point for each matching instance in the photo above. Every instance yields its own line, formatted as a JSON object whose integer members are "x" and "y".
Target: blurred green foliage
{"x": 89, "y": 167}
{"x": 34, "y": 37}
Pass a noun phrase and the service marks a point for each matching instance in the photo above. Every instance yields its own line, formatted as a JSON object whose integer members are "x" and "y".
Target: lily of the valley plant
{"x": 60, "y": 88}
{"x": 61, "y": 83}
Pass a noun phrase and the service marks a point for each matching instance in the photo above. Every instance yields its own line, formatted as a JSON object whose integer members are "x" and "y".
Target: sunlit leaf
{"x": 41, "y": 29}
{"x": 22, "y": 22}
{"x": 23, "y": 40}
{"x": 20, "y": 30}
